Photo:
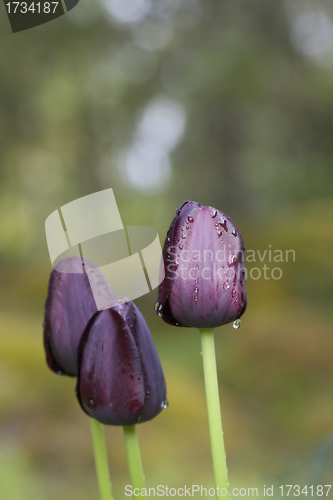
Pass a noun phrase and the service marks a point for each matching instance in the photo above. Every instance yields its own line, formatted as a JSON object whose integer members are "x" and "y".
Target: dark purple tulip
{"x": 204, "y": 285}
{"x": 120, "y": 379}
{"x": 69, "y": 306}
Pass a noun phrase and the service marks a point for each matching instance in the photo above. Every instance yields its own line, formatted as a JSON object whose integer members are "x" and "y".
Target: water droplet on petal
{"x": 233, "y": 293}
{"x": 226, "y": 286}
{"x": 224, "y": 225}
{"x": 232, "y": 262}
{"x": 165, "y": 404}
{"x": 236, "y": 324}
{"x": 181, "y": 247}
{"x": 91, "y": 404}
{"x": 190, "y": 219}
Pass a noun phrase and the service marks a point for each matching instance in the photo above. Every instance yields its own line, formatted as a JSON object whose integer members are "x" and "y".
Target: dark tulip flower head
{"x": 120, "y": 379}
{"x": 204, "y": 285}
{"x": 69, "y": 306}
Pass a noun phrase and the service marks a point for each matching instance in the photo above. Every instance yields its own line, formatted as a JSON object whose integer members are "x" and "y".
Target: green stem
{"x": 134, "y": 458}
{"x": 101, "y": 460}
{"x": 214, "y": 411}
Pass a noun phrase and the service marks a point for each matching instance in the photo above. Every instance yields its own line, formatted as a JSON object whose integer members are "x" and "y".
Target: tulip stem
{"x": 134, "y": 458}
{"x": 101, "y": 461}
{"x": 214, "y": 411}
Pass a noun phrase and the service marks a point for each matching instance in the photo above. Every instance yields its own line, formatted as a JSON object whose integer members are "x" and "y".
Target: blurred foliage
{"x": 258, "y": 145}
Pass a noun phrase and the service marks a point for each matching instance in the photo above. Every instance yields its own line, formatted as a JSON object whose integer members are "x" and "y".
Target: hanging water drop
{"x": 237, "y": 323}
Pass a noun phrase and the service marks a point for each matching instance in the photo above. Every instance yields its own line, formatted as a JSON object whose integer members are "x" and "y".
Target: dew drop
{"x": 181, "y": 247}
{"x": 236, "y": 324}
{"x": 190, "y": 219}
{"x": 232, "y": 262}
{"x": 226, "y": 286}
{"x": 214, "y": 214}
{"x": 177, "y": 324}
{"x": 184, "y": 236}
{"x": 165, "y": 403}
{"x": 233, "y": 293}
{"x": 236, "y": 301}
{"x": 91, "y": 404}
{"x": 148, "y": 394}
{"x": 224, "y": 225}
{"x": 196, "y": 289}
{"x": 234, "y": 233}
{"x": 195, "y": 299}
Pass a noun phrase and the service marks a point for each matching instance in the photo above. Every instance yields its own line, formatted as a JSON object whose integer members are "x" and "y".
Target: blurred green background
{"x": 229, "y": 104}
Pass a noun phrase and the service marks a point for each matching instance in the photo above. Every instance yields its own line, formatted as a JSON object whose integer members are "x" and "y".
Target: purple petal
{"x": 208, "y": 287}
{"x": 110, "y": 384}
{"x": 69, "y": 306}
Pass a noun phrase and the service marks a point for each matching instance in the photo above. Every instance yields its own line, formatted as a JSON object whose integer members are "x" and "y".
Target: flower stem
{"x": 101, "y": 460}
{"x": 214, "y": 411}
{"x": 134, "y": 458}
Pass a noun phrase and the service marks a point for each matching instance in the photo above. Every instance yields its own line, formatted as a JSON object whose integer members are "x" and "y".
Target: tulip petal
{"x": 110, "y": 383}
{"x": 70, "y": 305}
{"x": 155, "y": 388}
{"x": 207, "y": 288}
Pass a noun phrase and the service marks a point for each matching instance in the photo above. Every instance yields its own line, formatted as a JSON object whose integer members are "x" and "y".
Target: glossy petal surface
{"x": 70, "y": 305}
{"x": 203, "y": 254}
{"x": 120, "y": 380}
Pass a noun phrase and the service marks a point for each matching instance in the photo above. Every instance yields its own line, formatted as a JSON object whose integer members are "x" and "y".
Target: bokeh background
{"x": 226, "y": 103}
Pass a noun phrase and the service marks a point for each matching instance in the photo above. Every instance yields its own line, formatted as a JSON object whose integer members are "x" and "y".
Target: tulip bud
{"x": 120, "y": 379}
{"x": 204, "y": 285}
{"x": 69, "y": 306}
